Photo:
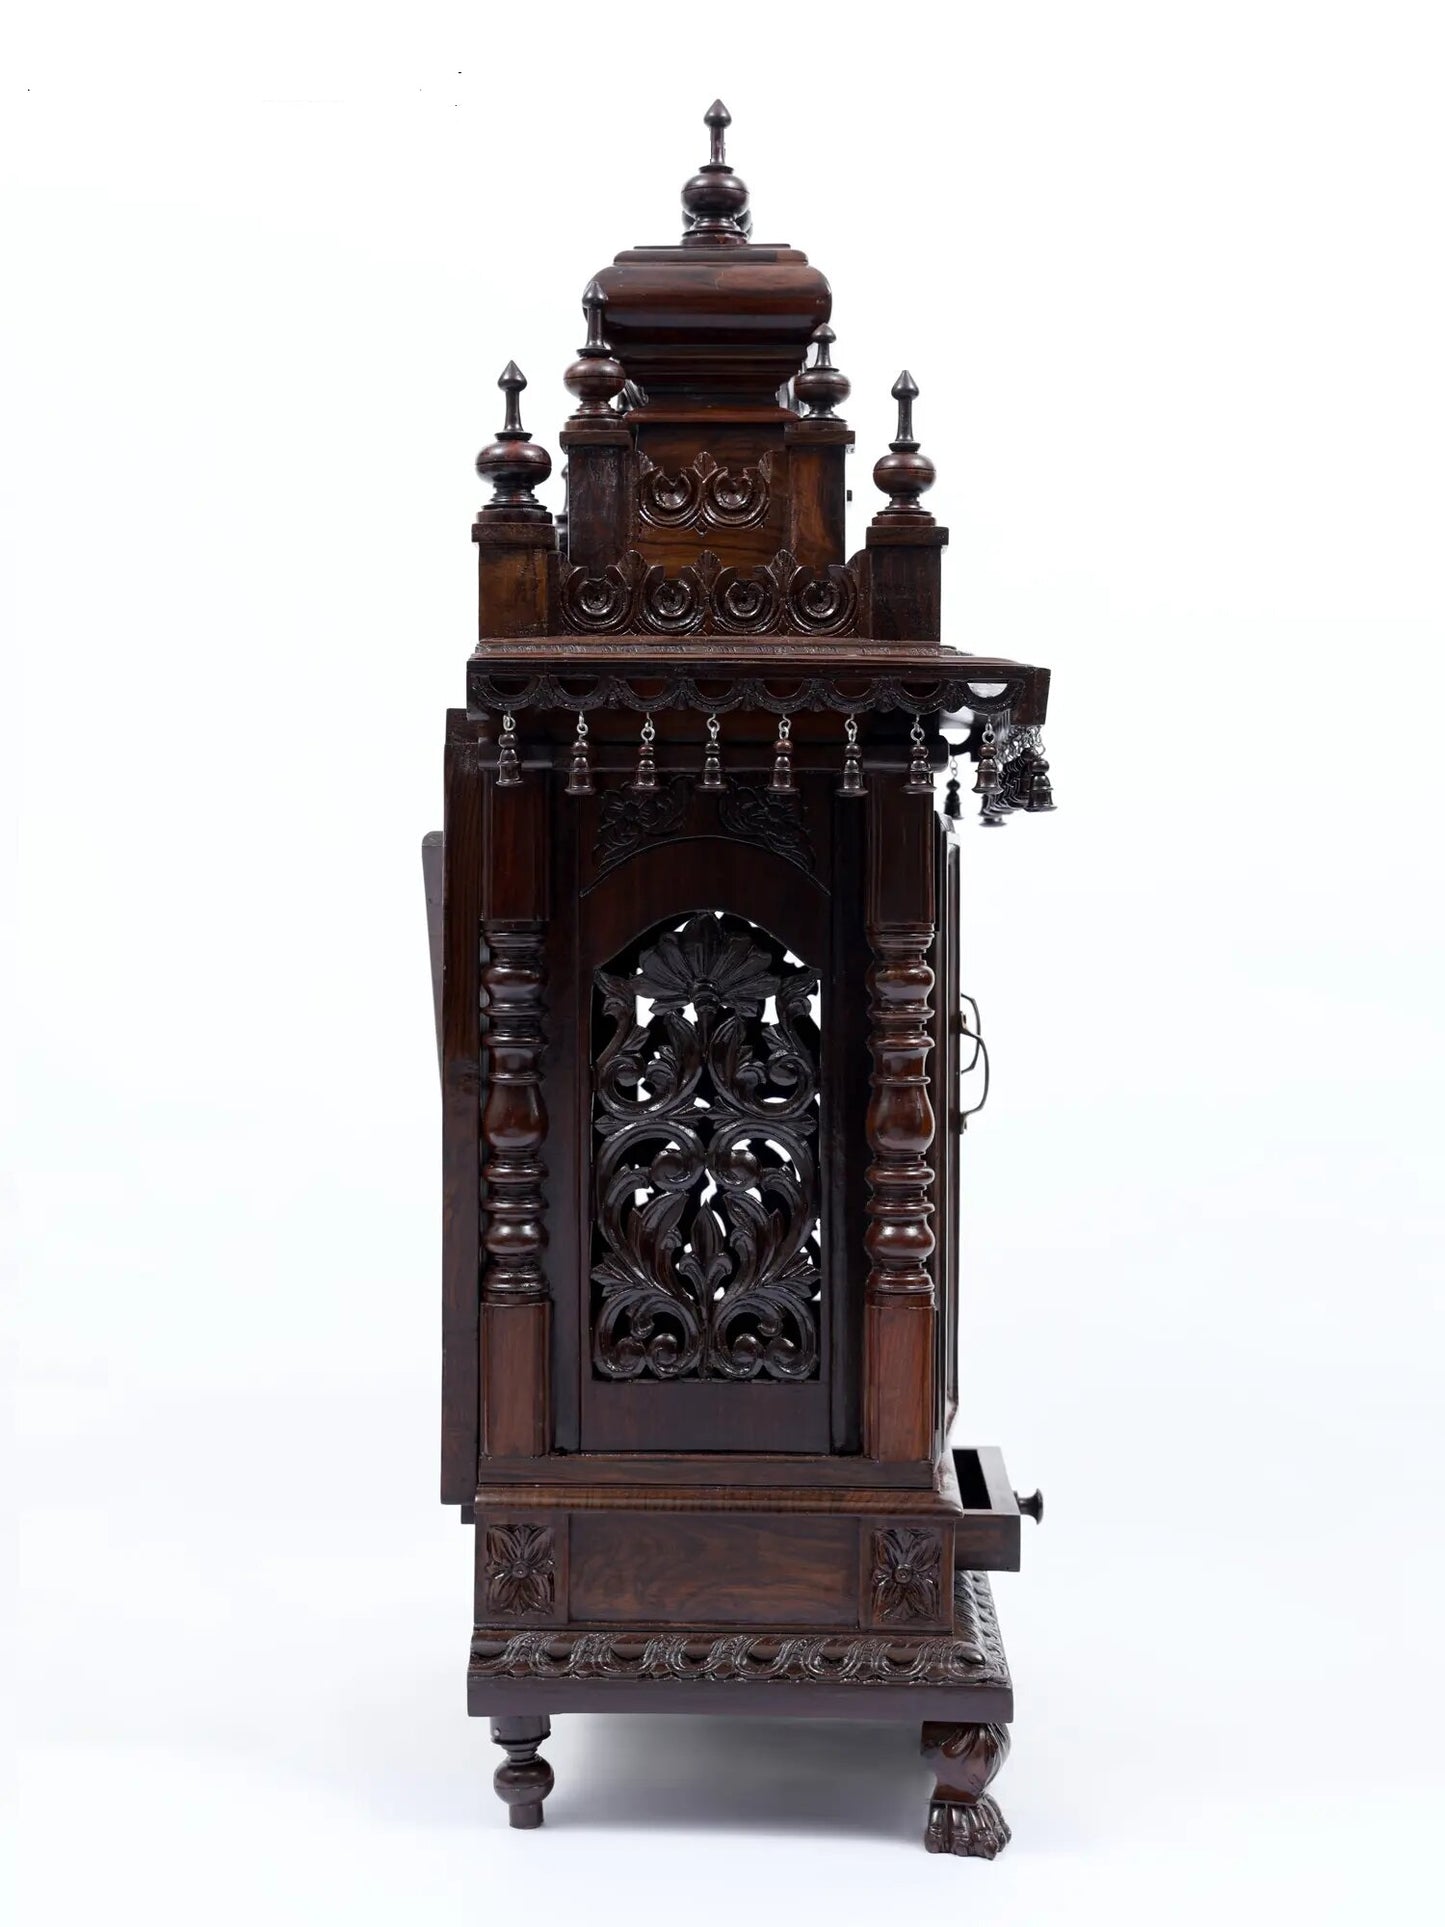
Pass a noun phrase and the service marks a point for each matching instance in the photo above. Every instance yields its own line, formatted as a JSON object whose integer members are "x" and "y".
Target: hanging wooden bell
{"x": 712, "y": 777}
{"x": 579, "y": 776}
{"x": 1041, "y": 790}
{"x": 509, "y": 766}
{"x": 920, "y": 776}
{"x": 986, "y": 783}
{"x": 783, "y": 759}
{"x": 852, "y": 783}
{"x": 645, "y": 776}
{"x": 952, "y": 808}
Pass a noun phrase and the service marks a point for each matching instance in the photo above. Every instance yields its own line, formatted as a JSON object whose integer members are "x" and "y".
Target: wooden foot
{"x": 524, "y": 1778}
{"x": 962, "y": 1817}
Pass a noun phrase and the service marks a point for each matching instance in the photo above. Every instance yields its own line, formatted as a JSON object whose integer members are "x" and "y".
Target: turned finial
{"x": 717, "y": 120}
{"x": 904, "y": 391}
{"x": 715, "y": 200}
{"x": 513, "y": 463}
{"x": 903, "y": 474}
{"x": 594, "y": 377}
{"x": 822, "y": 386}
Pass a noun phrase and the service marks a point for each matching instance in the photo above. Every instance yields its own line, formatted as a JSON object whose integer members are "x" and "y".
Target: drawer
{"x": 986, "y": 1535}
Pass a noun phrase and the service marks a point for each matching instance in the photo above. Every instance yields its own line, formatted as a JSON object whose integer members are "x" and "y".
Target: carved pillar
{"x": 514, "y": 1130}
{"x": 516, "y": 1308}
{"x": 962, "y": 1817}
{"x": 899, "y": 1311}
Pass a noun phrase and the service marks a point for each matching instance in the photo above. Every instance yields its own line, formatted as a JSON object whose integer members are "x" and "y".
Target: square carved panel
{"x": 519, "y": 1570}
{"x": 906, "y": 1577}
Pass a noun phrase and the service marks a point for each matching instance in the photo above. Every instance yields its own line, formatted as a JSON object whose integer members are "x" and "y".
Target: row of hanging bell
{"x": 1027, "y": 786}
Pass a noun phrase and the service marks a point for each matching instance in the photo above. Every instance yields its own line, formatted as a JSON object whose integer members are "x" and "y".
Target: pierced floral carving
{"x": 519, "y": 1569}
{"x": 703, "y": 495}
{"x": 707, "y": 598}
{"x": 907, "y": 1567}
{"x": 705, "y": 1172}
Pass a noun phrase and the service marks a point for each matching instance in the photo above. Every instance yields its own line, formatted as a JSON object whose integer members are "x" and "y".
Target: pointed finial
{"x": 512, "y": 381}
{"x": 594, "y": 377}
{"x": 905, "y": 393}
{"x": 822, "y": 386}
{"x": 903, "y": 474}
{"x": 715, "y": 200}
{"x": 513, "y": 463}
{"x": 717, "y": 119}
{"x": 593, "y": 302}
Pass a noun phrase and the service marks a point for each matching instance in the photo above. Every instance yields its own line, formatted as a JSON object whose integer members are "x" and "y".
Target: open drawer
{"x": 986, "y": 1536}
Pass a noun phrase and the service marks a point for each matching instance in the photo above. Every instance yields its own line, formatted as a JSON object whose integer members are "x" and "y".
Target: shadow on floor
{"x": 784, "y": 1776}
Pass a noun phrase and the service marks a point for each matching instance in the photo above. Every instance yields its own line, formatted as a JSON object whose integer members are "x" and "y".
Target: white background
{"x": 1169, "y": 277}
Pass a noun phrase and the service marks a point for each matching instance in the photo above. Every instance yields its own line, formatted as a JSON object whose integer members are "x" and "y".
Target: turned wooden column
{"x": 899, "y": 1298}
{"x": 516, "y": 1308}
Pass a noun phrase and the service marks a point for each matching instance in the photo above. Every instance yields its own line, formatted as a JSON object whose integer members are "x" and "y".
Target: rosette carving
{"x": 705, "y": 598}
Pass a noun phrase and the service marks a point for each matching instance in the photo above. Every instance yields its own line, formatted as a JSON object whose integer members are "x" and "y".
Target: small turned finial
{"x": 717, "y": 120}
{"x": 594, "y": 377}
{"x": 715, "y": 200}
{"x": 905, "y": 392}
{"x": 822, "y": 385}
{"x": 903, "y": 474}
{"x": 513, "y": 463}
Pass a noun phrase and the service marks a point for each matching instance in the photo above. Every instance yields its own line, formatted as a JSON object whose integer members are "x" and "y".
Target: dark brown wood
{"x": 701, "y": 1044}
{"x": 524, "y": 1779}
{"x": 962, "y": 1817}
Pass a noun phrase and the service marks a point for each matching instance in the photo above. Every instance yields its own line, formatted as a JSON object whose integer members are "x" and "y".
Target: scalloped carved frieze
{"x": 707, "y": 598}
{"x": 704, "y": 495}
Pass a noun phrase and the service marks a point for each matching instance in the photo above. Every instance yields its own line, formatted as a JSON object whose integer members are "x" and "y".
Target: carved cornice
{"x": 583, "y": 691}
{"x": 971, "y": 1656}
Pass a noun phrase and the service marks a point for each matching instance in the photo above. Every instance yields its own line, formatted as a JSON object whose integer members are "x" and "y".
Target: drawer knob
{"x": 1033, "y": 1505}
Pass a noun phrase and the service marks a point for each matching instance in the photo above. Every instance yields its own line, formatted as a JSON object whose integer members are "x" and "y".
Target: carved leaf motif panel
{"x": 708, "y": 1244}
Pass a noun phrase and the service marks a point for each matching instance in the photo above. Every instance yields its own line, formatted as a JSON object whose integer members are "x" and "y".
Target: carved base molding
{"x": 971, "y": 1656}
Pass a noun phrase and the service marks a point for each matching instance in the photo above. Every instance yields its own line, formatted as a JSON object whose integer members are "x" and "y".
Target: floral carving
{"x": 765, "y": 816}
{"x": 519, "y": 1569}
{"x": 907, "y": 1565}
{"x": 628, "y": 817}
{"x": 705, "y": 1173}
{"x": 706, "y": 598}
{"x": 703, "y": 495}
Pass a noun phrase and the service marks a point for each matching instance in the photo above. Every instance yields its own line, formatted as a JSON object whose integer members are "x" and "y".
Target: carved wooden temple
{"x": 704, "y": 1050}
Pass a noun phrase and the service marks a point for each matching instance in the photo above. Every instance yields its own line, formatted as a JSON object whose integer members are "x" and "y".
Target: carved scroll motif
{"x": 628, "y": 818}
{"x": 783, "y": 596}
{"x": 972, "y": 1656}
{"x": 703, "y": 495}
{"x": 705, "y": 1173}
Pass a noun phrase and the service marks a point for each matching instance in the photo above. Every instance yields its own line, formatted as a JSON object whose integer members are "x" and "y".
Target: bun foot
{"x": 962, "y": 1817}
{"x": 524, "y": 1779}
